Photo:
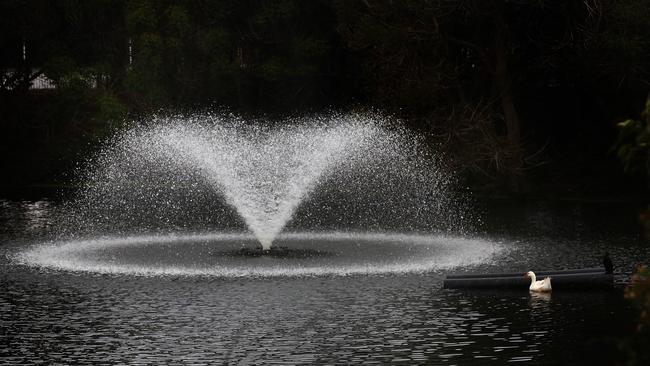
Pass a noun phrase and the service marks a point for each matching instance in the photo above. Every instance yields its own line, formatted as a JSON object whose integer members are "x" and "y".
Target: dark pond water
{"x": 67, "y": 317}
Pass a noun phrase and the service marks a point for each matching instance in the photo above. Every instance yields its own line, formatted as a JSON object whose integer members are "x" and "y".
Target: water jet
{"x": 212, "y": 194}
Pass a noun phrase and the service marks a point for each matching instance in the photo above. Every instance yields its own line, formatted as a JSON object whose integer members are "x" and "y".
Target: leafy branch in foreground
{"x": 633, "y": 143}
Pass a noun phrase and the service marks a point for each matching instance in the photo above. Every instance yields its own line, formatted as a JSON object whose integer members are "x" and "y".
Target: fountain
{"x": 355, "y": 192}
{"x": 214, "y": 239}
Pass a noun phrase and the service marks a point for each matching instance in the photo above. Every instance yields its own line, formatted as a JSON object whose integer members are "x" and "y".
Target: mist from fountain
{"x": 264, "y": 174}
{"x": 189, "y": 173}
{"x": 338, "y": 194}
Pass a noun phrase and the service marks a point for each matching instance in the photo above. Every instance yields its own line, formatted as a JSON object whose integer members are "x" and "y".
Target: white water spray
{"x": 169, "y": 172}
{"x": 264, "y": 174}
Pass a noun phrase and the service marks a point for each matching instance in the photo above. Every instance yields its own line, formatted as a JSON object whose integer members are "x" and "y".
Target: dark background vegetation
{"x": 522, "y": 96}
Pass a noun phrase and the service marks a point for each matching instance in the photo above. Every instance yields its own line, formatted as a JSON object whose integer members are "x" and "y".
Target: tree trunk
{"x": 646, "y": 112}
{"x": 511, "y": 117}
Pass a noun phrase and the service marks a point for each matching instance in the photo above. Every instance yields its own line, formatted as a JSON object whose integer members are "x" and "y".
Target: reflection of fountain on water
{"x": 203, "y": 173}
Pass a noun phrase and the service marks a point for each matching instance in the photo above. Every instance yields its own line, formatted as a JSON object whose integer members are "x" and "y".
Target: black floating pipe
{"x": 538, "y": 274}
{"x": 586, "y": 278}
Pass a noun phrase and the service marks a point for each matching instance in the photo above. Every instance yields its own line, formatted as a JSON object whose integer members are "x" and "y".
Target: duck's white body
{"x": 539, "y": 286}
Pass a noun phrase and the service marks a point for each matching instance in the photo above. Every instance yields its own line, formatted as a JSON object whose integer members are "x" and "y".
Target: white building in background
{"x": 42, "y": 82}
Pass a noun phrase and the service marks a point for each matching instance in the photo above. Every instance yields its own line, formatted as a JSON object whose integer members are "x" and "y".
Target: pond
{"x": 54, "y": 315}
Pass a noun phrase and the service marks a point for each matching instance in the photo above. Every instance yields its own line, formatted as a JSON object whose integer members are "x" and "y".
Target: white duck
{"x": 539, "y": 286}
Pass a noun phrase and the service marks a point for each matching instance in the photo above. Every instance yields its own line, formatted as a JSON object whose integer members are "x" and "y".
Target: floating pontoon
{"x": 570, "y": 278}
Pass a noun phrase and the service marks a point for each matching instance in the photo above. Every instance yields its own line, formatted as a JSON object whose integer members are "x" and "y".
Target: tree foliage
{"x": 244, "y": 54}
{"x": 503, "y": 87}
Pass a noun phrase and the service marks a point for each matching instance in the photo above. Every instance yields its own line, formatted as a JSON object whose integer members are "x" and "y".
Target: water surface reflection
{"x": 73, "y": 318}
